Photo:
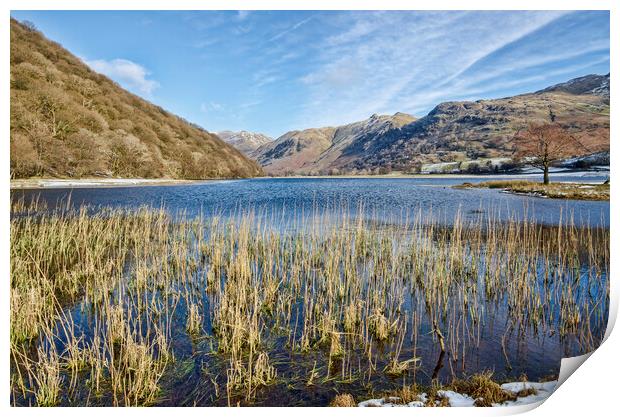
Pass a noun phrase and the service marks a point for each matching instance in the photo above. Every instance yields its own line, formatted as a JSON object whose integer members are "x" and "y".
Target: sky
{"x": 275, "y": 71}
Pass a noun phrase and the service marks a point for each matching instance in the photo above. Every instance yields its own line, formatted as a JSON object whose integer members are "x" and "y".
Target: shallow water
{"x": 285, "y": 203}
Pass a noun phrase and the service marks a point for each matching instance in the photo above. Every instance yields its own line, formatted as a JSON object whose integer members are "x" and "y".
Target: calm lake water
{"x": 509, "y": 352}
{"x": 389, "y": 200}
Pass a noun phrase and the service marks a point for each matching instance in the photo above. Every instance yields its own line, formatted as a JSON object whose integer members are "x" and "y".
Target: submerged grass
{"x": 100, "y": 300}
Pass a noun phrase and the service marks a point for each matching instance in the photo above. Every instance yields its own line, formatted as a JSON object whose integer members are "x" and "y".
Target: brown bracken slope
{"x": 69, "y": 121}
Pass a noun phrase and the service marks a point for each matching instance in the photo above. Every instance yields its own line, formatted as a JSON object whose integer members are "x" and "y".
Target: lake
{"x": 383, "y": 199}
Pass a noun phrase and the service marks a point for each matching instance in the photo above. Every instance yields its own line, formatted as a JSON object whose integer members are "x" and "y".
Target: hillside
{"x": 246, "y": 142}
{"x": 454, "y": 131}
{"x": 590, "y": 84}
{"x": 69, "y": 121}
{"x": 314, "y": 151}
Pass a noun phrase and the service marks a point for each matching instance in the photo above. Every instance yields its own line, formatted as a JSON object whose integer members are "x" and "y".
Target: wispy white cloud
{"x": 211, "y": 106}
{"x": 250, "y": 104}
{"x": 243, "y": 14}
{"x": 291, "y": 70}
{"x": 127, "y": 73}
{"x": 381, "y": 59}
{"x": 206, "y": 42}
{"x": 265, "y": 76}
{"x": 420, "y": 102}
{"x": 522, "y": 63}
{"x": 504, "y": 38}
{"x": 205, "y": 20}
{"x": 290, "y": 29}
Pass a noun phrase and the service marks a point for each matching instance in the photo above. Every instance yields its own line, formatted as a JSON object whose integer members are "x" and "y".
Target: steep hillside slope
{"x": 314, "y": 151}
{"x": 246, "y": 142}
{"x": 68, "y": 121}
{"x": 295, "y": 151}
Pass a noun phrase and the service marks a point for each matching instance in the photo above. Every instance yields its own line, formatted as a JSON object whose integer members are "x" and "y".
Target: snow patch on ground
{"x": 94, "y": 183}
{"x": 392, "y": 402}
{"x": 543, "y": 391}
{"x": 456, "y": 399}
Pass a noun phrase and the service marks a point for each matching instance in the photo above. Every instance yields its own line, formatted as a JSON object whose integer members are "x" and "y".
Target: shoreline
{"x": 53, "y": 183}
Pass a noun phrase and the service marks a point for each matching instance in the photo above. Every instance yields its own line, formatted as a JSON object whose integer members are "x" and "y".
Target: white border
{"x": 591, "y": 390}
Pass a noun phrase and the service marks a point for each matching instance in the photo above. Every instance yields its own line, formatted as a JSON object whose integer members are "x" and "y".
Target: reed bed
{"x": 104, "y": 303}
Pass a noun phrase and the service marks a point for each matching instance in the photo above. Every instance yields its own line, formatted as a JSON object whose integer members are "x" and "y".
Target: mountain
{"x": 322, "y": 150}
{"x": 69, "y": 121}
{"x": 452, "y": 131}
{"x": 246, "y": 142}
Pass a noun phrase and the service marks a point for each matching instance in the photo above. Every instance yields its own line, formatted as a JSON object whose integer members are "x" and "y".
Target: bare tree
{"x": 30, "y": 26}
{"x": 543, "y": 144}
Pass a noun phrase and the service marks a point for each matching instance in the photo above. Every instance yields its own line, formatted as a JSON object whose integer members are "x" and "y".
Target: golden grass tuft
{"x": 343, "y": 400}
{"x": 379, "y": 326}
{"x": 483, "y": 389}
{"x": 406, "y": 394}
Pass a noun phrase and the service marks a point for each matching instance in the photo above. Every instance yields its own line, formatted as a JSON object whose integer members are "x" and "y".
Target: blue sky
{"x": 274, "y": 71}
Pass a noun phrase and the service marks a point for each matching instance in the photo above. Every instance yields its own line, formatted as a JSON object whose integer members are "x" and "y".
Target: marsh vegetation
{"x": 140, "y": 307}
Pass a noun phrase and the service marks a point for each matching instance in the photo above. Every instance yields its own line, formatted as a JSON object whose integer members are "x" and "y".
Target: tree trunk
{"x": 546, "y": 175}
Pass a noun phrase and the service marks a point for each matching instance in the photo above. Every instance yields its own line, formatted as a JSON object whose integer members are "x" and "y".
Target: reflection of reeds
{"x": 334, "y": 285}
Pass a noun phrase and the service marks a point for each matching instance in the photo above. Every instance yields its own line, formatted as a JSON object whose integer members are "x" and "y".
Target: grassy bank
{"x": 574, "y": 191}
{"x": 120, "y": 307}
